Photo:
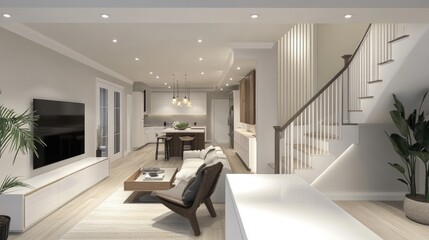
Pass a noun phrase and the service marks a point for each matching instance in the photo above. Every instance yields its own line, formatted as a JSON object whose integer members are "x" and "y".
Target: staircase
{"x": 327, "y": 125}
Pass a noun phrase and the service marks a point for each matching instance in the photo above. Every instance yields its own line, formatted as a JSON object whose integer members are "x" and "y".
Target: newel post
{"x": 276, "y": 149}
{"x": 346, "y": 58}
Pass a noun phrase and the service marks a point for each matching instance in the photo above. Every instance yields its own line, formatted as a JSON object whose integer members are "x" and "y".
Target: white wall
{"x": 27, "y": 71}
{"x": 334, "y": 41}
{"x": 363, "y": 172}
{"x": 266, "y": 102}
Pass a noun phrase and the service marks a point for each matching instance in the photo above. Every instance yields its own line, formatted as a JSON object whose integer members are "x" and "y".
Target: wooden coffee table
{"x": 146, "y": 185}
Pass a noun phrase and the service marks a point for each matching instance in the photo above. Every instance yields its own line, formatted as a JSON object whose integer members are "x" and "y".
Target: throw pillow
{"x": 204, "y": 152}
{"x": 190, "y": 193}
{"x": 211, "y": 156}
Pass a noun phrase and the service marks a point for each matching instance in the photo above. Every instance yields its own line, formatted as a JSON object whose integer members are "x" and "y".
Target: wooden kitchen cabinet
{"x": 248, "y": 99}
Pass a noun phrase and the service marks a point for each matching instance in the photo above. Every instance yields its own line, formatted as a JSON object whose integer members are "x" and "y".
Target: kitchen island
{"x": 176, "y": 145}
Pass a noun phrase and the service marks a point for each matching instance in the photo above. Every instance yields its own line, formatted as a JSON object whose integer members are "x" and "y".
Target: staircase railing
{"x": 305, "y": 134}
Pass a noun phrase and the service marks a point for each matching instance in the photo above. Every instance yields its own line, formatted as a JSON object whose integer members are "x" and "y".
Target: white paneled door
{"x": 220, "y": 128}
{"x": 109, "y": 102}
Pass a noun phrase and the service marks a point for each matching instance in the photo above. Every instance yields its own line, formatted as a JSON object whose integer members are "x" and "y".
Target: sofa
{"x": 192, "y": 160}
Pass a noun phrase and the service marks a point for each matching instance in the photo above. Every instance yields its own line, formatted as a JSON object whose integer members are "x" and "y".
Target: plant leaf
{"x": 10, "y": 182}
{"x": 411, "y": 121}
{"x": 399, "y": 122}
{"x": 399, "y": 107}
{"x": 403, "y": 181}
{"x": 423, "y": 99}
{"x": 399, "y": 145}
{"x": 423, "y": 156}
{"x": 398, "y": 167}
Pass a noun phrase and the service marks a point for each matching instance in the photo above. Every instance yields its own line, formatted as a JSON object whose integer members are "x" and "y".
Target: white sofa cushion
{"x": 220, "y": 154}
{"x": 185, "y": 174}
{"x": 192, "y": 163}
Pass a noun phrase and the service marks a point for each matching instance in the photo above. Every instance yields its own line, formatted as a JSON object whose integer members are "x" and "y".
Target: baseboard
{"x": 366, "y": 196}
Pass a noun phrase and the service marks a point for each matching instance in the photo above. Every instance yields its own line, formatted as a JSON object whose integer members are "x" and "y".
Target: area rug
{"x": 114, "y": 219}
{"x": 142, "y": 197}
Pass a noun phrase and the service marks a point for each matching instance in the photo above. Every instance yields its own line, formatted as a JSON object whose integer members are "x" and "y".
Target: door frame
{"x": 111, "y": 87}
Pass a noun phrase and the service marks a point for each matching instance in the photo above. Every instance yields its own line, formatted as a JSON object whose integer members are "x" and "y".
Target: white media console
{"x": 50, "y": 191}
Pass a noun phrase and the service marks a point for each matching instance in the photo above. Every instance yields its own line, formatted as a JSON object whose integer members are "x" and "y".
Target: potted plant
{"x": 412, "y": 145}
{"x": 17, "y": 136}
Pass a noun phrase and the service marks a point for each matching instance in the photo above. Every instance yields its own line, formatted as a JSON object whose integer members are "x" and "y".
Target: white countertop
{"x": 55, "y": 175}
{"x": 188, "y": 130}
{"x": 286, "y": 207}
{"x": 246, "y": 133}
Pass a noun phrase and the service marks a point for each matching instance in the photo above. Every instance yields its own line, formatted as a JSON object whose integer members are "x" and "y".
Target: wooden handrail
{"x": 278, "y": 128}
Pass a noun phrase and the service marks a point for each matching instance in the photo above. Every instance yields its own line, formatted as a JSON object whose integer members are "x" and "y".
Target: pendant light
{"x": 179, "y": 102}
{"x": 174, "y": 99}
{"x": 189, "y": 95}
{"x": 185, "y": 100}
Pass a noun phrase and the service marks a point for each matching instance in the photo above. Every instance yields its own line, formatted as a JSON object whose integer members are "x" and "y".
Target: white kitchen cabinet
{"x": 152, "y": 133}
{"x": 245, "y": 147}
{"x": 138, "y": 120}
{"x": 161, "y": 104}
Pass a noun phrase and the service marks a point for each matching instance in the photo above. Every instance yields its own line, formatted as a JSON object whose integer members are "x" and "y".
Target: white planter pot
{"x": 416, "y": 211}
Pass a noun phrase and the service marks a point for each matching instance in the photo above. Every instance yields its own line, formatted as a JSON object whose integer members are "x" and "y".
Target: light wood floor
{"x": 384, "y": 218}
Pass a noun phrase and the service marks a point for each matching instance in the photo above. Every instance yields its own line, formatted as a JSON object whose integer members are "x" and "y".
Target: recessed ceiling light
{"x": 165, "y": 83}
{"x": 230, "y": 79}
{"x": 201, "y": 59}
{"x": 157, "y": 76}
{"x": 169, "y": 86}
{"x": 137, "y": 59}
{"x": 7, "y": 15}
{"x": 227, "y": 84}
{"x": 115, "y": 40}
{"x": 221, "y": 89}
{"x": 238, "y": 68}
{"x": 348, "y": 16}
{"x": 200, "y": 41}
{"x": 202, "y": 73}
{"x": 105, "y": 16}
{"x": 150, "y": 73}
{"x": 254, "y": 16}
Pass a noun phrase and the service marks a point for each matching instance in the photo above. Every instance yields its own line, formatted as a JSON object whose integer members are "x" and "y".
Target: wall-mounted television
{"x": 61, "y": 126}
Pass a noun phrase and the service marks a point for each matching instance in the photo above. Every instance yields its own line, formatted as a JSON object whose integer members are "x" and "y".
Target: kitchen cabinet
{"x": 161, "y": 104}
{"x": 245, "y": 147}
{"x": 248, "y": 99}
{"x": 151, "y": 133}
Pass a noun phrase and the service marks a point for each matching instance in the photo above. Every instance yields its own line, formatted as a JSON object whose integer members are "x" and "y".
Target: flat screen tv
{"x": 61, "y": 126}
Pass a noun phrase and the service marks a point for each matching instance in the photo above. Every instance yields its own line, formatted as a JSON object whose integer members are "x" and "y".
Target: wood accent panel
{"x": 176, "y": 143}
{"x": 251, "y": 98}
{"x": 248, "y": 99}
{"x": 243, "y": 101}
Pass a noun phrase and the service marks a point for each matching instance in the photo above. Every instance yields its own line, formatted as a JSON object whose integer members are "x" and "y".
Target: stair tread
{"x": 296, "y": 164}
{"x": 398, "y": 38}
{"x": 366, "y": 97}
{"x": 309, "y": 149}
{"x": 355, "y": 110}
{"x": 386, "y": 62}
{"x": 375, "y": 81}
{"x": 320, "y": 135}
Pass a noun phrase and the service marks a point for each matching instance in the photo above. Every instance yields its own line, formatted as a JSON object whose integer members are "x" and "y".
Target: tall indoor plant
{"x": 412, "y": 145}
{"x": 16, "y": 135}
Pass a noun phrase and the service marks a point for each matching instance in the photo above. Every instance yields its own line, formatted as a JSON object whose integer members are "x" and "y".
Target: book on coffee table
{"x": 157, "y": 177}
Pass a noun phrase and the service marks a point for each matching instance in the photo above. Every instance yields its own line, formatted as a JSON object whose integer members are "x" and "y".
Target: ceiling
{"x": 164, "y": 34}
